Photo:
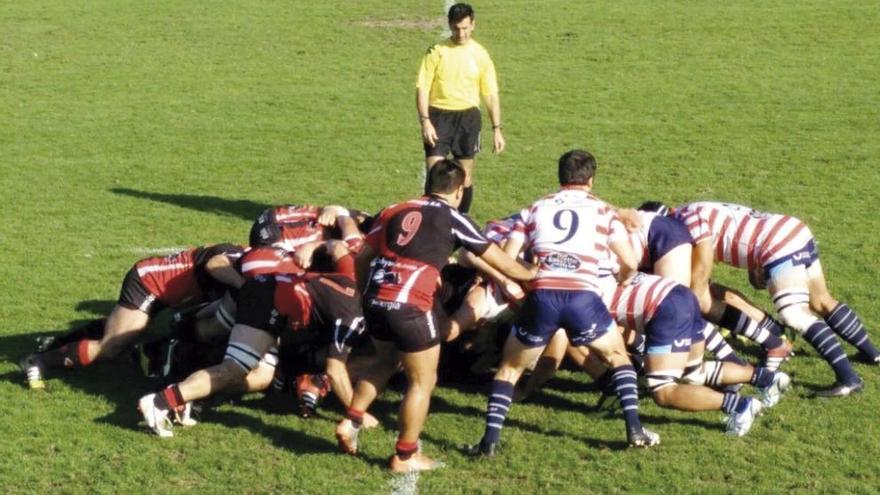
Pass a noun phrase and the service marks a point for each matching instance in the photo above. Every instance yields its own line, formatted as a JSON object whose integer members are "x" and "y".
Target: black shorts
{"x": 134, "y": 295}
{"x": 458, "y": 132}
{"x": 255, "y": 306}
{"x": 411, "y": 329}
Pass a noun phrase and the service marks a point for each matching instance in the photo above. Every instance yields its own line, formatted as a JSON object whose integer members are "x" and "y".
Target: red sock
{"x": 356, "y": 417}
{"x": 405, "y": 450}
{"x": 172, "y": 398}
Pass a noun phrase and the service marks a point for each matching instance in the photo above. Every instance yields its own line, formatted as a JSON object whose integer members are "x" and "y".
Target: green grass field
{"x": 133, "y": 127}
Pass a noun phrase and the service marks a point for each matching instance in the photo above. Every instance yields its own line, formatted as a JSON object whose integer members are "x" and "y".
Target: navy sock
{"x": 627, "y": 390}
{"x": 730, "y": 402}
{"x": 845, "y": 322}
{"x": 739, "y": 323}
{"x": 496, "y": 412}
{"x": 820, "y": 336}
{"x": 772, "y": 326}
{"x": 716, "y": 344}
{"x": 762, "y": 377}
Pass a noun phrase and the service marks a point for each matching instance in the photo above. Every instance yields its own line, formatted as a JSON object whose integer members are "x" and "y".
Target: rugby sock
{"x": 772, "y": 326}
{"x": 496, "y": 412}
{"x": 739, "y": 323}
{"x": 466, "y": 199}
{"x": 69, "y": 356}
{"x": 822, "y": 338}
{"x": 405, "y": 450}
{"x": 636, "y": 351}
{"x": 170, "y": 398}
{"x": 845, "y": 322}
{"x": 716, "y": 344}
{"x": 730, "y": 402}
{"x": 356, "y": 417}
{"x": 762, "y": 377}
{"x": 627, "y": 390}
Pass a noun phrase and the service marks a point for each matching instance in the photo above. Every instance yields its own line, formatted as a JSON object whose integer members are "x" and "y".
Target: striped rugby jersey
{"x": 743, "y": 237}
{"x": 634, "y": 305}
{"x": 569, "y": 233}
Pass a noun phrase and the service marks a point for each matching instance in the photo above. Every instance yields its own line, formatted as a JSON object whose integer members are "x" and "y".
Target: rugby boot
{"x": 482, "y": 449}
{"x": 156, "y": 417}
{"x": 415, "y": 462}
{"x": 347, "y": 437}
{"x": 841, "y": 389}
{"x": 33, "y": 372}
{"x": 771, "y": 394}
{"x": 864, "y": 358}
{"x": 185, "y": 416}
{"x": 774, "y": 357}
{"x": 740, "y": 422}
{"x": 642, "y": 438}
{"x": 310, "y": 389}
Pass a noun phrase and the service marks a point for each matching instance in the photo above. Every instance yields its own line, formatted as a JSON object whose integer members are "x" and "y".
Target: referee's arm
{"x": 493, "y": 107}
{"x": 429, "y": 134}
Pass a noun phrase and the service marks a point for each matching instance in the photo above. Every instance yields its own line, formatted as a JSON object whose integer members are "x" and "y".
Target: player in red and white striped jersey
{"x": 778, "y": 250}
{"x": 181, "y": 279}
{"x": 668, "y": 314}
{"x": 573, "y": 237}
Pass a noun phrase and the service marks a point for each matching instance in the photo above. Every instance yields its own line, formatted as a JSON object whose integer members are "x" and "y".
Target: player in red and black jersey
{"x": 181, "y": 279}
{"x": 327, "y": 304}
{"x": 407, "y": 246}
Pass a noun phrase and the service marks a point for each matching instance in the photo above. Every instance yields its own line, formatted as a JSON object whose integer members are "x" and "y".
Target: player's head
{"x": 445, "y": 177}
{"x": 461, "y": 22}
{"x": 577, "y": 168}
{"x": 654, "y": 206}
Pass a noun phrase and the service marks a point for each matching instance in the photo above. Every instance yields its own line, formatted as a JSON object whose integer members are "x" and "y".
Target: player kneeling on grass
{"x": 780, "y": 250}
{"x": 185, "y": 278}
{"x": 668, "y": 314}
{"x": 267, "y": 307}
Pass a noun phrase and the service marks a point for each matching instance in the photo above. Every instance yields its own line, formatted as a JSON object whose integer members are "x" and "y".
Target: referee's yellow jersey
{"x": 456, "y": 75}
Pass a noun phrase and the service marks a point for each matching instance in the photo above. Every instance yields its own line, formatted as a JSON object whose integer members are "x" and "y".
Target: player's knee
{"x": 240, "y": 359}
{"x": 662, "y": 384}
{"x": 822, "y": 303}
{"x": 793, "y": 306}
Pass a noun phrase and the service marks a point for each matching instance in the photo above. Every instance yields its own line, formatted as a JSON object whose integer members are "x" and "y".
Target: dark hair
{"x": 656, "y": 206}
{"x": 459, "y": 11}
{"x": 576, "y": 167}
{"x": 445, "y": 177}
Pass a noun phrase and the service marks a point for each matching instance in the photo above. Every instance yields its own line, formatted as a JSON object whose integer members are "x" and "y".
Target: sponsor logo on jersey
{"x": 682, "y": 342}
{"x": 562, "y": 262}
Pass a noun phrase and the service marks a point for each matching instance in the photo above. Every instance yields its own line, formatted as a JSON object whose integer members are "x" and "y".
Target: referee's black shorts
{"x": 458, "y": 132}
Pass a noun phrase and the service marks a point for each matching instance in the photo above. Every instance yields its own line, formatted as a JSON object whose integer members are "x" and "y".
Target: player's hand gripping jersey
{"x": 569, "y": 233}
{"x": 413, "y": 241}
{"x": 743, "y": 237}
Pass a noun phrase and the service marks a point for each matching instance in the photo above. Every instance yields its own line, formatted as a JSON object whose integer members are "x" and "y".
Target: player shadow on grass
{"x": 288, "y": 438}
{"x": 241, "y": 208}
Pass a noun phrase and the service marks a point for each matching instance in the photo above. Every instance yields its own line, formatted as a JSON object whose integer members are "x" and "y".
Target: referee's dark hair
{"x": 459, "y": 11}
{"x": 445, "y": 177}
{"x": 576, "y": 167}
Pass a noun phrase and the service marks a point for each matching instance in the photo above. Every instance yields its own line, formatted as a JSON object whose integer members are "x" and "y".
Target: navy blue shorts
{"x": 664, "y": 235}
{"x": 676, "y": 325}
{"x": 580, "y": 313}
{"x": 806, "y": 256}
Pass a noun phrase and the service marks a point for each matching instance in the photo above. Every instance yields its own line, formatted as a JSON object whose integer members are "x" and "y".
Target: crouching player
{"x": 182, "y": 279}
{"x": 668, "y": 314}
{"x": 572, "y": 234}
{"x": 328, "y": 303}
{"x": 780, "y": 251}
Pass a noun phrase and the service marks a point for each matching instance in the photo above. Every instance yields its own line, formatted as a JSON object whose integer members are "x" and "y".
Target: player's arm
{"x": 702, "y": 262}
{"x": 222, "y": 269}
{"x": 629, "y": 264}
{"x": 508, "y": 266}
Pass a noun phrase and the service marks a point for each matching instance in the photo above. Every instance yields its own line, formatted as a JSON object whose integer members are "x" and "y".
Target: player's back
{"x": 635, "y": 304}
{"x": 743, "y": 237}
{"x": 569, "y": 233}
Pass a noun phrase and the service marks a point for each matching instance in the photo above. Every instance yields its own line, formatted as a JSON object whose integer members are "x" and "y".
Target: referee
{"x": 452, "y": 77}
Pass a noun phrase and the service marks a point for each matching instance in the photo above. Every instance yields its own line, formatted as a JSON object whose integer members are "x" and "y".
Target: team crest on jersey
{"x": 562, "y": 262}
{"x": 380, "y": 276}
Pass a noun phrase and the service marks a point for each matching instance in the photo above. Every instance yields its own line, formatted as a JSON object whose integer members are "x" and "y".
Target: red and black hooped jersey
{"x": 413, "y": 241}
{"x": 288, "y": 227}
{"x": 258, "y": 261}
{"x": 181, "y": 278}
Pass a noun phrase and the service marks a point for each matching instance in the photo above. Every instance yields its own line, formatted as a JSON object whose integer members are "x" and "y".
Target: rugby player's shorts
{"x": 408, "y": 327}
{"x": 805, "y": 256}
{"x": 255, "y": 306}
{"x": 458, "y": 132}
{"x": 134, "y": 295}
{"x": 677, "y": 324}
{"x": 580, "y": 313}
{"x": 664, "y": 235}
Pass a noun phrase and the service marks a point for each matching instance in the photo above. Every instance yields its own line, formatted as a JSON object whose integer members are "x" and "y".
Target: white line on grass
{"x": 447, "y": 4}
{"x": 157, "y": 250}
{"x": 405, "y": 484}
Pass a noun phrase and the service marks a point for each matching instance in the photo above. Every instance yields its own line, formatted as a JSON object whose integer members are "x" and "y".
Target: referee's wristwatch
{"x": 499, "y": 127}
